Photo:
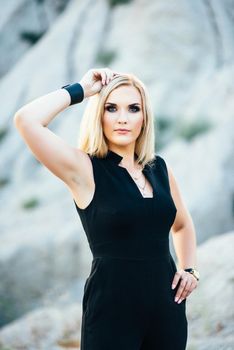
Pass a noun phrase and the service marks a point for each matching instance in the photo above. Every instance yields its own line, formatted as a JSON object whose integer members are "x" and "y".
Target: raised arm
{"x": 66, "y": 162}
{"x": 31, "y": 121}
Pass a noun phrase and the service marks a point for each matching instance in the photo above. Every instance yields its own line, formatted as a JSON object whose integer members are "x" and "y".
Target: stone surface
{"x": 210, "y": 306}
{"x": 17, "y": 18}
{"x": 49, "y": 328}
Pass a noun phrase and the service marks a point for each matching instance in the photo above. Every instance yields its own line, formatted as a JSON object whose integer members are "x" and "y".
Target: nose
{"x": 122, "y": 116}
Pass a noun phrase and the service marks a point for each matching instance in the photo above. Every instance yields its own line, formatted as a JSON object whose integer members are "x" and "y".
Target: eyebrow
{"x": 114, "y": 104}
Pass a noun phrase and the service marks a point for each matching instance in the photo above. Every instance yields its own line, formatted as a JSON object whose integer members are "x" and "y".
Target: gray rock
{"x": 22, "y": 24}
{"x": 44, "y": 329}
{"x": 210, "y": 306}
{"x": 204, "y": 171}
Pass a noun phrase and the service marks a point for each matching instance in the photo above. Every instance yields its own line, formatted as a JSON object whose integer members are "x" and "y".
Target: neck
{"x": 128, "y": 155}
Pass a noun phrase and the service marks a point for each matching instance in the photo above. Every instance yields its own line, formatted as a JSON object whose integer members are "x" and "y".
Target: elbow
{"x": 179, "y": 225}
{"x": 18, "y": 119}
{"x": 184, "y": 225}
{"x": 177, "y": 228}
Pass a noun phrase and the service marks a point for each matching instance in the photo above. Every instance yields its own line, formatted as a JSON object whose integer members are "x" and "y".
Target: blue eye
{"x": 137, "y": 109}
{"x": 108, "y": 108}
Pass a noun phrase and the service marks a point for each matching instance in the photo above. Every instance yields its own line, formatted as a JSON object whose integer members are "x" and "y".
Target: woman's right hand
{"x": 93, "y": 81}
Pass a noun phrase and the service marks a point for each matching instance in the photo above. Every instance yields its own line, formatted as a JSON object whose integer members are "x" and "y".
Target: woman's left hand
{"x": 187, "y": 284}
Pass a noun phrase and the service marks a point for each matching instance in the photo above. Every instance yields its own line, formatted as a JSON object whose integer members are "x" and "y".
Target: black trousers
{"x": 128, "y": 304}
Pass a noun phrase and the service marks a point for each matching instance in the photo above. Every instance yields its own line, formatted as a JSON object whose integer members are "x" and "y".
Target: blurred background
{"x": 184, "y": 53}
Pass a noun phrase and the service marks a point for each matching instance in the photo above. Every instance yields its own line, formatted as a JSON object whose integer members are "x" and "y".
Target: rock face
{"x": 210, "y": 307}
{"x": 35, "y": 270}
{"x": 183, "y": 52}
{"x": 49, "y": 328}
{"x": 209, "y": 312}
{"x": 204, "y": 171}
{"x": 22, "y": 24}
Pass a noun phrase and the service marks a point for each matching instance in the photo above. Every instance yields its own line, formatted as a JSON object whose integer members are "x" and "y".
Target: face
{"x": 123, "y": 110}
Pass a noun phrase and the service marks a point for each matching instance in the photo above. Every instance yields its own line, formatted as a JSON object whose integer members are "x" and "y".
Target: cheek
{"x": 138, "y": 123}
{"x": 107, "y": 123}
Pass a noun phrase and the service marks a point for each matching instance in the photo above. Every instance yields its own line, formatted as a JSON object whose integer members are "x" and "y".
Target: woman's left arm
{"x": 184, "y": 240}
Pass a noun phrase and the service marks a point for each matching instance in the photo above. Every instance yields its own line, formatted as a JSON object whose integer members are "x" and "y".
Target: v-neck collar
{"x": 147, "y": 171}
{"x": 115, "y": 157}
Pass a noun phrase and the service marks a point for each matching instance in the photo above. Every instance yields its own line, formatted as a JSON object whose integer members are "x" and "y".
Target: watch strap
{"x": 189, "y": 269}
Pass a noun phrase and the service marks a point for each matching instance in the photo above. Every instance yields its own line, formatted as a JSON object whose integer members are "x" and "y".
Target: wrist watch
{"x": 194, "y": 272}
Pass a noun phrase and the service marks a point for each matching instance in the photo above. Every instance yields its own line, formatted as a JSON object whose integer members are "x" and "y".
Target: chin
{"x": 123, "y": 142}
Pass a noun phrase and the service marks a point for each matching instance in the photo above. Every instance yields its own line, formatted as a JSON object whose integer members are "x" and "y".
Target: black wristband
{"x": 76, "y": 92}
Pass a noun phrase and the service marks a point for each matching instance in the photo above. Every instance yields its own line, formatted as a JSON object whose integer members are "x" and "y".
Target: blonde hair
{"x": 91, "y": 138}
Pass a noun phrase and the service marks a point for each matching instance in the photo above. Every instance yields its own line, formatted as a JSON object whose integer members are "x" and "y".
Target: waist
{"x": 153, "y": 248}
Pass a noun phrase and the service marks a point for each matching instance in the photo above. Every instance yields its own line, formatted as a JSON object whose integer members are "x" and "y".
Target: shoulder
{"x": 165, "y": 165}
{"x": 94, "y": 157}
{"x": 159, "y": 157}
{"x": 164, "y": 162}
{"x": 160, "y": 161}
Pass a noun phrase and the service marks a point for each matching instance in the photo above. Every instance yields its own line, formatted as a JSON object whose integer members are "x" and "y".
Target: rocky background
{"x": 184, "y": 52}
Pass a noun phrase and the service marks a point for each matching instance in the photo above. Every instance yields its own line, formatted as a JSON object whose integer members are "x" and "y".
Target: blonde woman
{"x": 128, "y": 200}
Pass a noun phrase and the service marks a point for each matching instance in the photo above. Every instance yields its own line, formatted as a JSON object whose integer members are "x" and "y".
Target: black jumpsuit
{"x": 128, "y": 303}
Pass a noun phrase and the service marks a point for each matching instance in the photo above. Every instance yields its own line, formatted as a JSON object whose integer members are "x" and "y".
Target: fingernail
{"x": 173, "y": 286}
{"x": 176, "y": 298}
{"x": 179, "y": 301}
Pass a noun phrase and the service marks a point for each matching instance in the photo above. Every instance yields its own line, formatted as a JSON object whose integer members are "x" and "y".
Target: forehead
{"x": 124, "y": 94}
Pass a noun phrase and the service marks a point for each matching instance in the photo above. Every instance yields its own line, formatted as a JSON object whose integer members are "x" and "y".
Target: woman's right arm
{"x": 68, "y": 163}
{"x": 31, "y": 121}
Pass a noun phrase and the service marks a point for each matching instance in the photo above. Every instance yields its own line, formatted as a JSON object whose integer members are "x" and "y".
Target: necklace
{"x": 137, "y": 178}
{"x": 134, "y": 177}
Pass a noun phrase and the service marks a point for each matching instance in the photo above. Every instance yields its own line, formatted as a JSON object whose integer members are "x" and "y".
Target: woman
{"x": 128, "y": 201}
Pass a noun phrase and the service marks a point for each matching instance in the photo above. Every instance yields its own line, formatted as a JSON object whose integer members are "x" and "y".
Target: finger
{"x": 194, "y": 282}
{"x": 108, "y": 72}
{"x": 176, "y": 279}
{"x": 186, "y": 291}
{"x": 180, "y": 290}
{"x": 191, "y": 288}
{"x": 103, "y": 74}
{"x": 97, "y": 75}
{"x": 109, "y": 75}
{"x": 106, "y": 76}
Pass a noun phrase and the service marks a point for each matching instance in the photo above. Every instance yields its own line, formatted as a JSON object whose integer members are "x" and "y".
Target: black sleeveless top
{"x": 119, "y": 221}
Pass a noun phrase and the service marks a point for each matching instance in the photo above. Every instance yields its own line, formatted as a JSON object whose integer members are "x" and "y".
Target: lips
{"x": 122, "y": 130}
